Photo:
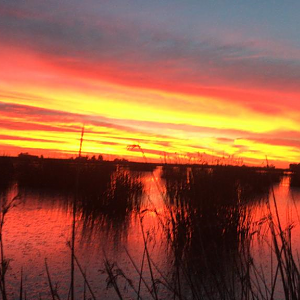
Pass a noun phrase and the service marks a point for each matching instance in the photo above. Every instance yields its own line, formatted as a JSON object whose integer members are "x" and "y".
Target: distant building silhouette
{"x": 26, "y": 155}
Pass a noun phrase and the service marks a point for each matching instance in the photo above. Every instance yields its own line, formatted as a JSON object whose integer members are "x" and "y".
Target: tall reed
{"x": 6, "y": 206}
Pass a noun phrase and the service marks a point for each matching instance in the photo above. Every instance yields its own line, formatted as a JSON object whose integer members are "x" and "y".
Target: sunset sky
{"x": 186, "y": 80}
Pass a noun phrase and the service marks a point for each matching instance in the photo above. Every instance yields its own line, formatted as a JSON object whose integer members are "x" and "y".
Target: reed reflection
{"x": 110, "y": 208}
{"x": 295, "y": 175}
{"x": 209, "y": 221}
{"x": 106, "y": 193}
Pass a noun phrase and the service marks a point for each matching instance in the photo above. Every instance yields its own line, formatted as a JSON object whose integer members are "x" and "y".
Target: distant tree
{"x": 100, "y": 157}
{"x": 119, "y": 160}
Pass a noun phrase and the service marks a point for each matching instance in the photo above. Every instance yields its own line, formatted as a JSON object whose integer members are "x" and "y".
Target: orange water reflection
{"x": 39, "y": 227}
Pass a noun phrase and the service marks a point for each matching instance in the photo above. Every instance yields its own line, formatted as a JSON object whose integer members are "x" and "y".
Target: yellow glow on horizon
{"x": 266, "y": 150}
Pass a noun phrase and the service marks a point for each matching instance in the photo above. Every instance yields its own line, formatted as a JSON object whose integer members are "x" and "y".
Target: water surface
{"x": 38, "y": 227}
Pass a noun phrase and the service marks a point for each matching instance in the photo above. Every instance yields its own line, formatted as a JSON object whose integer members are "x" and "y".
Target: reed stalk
{"x": 53, "y": 291}
{"x": 6, "y": 206}
{"x": 72, "y": 291}
{"x": 21, "y": 285}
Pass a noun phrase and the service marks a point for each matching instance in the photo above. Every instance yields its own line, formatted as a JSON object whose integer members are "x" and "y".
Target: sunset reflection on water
{"x": 39, "y": 228}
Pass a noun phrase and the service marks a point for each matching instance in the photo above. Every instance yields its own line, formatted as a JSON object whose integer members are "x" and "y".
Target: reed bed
{"x": 6, "y": 172}
{"x": 102, "y": 191}
{"x": 210, "y": 231}
{"x": 112, "y": 206}
{"x": 62, "y": 175}
{"x": 210, "y": 226}
{"x": 295, "y": 179}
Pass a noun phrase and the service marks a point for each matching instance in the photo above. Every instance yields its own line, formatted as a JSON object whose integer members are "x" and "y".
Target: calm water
{"x": 39, "y": 228}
